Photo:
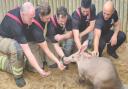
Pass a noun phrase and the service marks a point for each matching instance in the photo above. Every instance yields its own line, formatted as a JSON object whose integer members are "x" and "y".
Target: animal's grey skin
{"x": 98, "y": 70}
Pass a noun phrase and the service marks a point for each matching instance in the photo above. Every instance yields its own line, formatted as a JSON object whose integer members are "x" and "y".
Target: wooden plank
{"x": 9, "y": 5}
{"x": 18, "y": 2}
{"x": 6, "y": 9}
{"x": 100, "y": 5}
{"x": 127, "y": 37}
{"x": 96, "y": 4}
{"x": 125, "y": 16}
{"x": 114, "y": 1}
{"x": 54, "y": 6}
{"x": 3, "y": 7}
{"x": 38, "y": 2}
{"x": 67, "y": 5}
{"x": 73, "y": 6}
{"x": 51, "y": 4}
{"x": 1, "y": 11}
{"x": 58, "y": 3}
{"x": 62, "y": 2}
{"x": 14, "y": 3}
{"x": 127, "y": 21}
{"x": 121, "y": 13}
{"x": 70, "y": 6}
{"x": 120, "y": 5}
{"x": 35, "y": 2}
{"x": 78, "y": 3}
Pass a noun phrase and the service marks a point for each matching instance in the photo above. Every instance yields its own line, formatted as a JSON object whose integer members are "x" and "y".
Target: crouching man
{"x": 60, "y": 32}
{"x": 14, "y": 42}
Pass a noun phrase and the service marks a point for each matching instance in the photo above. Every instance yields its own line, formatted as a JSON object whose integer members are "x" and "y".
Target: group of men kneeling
{"x": 34, "y": 33}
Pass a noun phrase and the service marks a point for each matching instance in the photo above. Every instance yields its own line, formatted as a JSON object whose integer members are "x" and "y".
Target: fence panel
{"x": 120, "y": 5}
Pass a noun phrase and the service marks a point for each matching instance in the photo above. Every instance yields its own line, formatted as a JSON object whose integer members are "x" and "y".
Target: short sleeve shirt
{"x": 55, "y": 28}
{"x": 81, "y": 22}
{"x": 10, "y": 28}
{"x": 105, "y": 25}
{"x": 36, "y": 32}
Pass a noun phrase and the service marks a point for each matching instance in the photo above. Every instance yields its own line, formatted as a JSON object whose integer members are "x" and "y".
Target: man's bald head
{"x": 27, "y": 12}
{"x": 109, "y": 6}
{"x": 108, "y": 9}
{"x": 27, "y": 7}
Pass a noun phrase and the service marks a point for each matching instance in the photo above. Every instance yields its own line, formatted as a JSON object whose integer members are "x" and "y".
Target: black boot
{"x": 53, "y": 66}
{"x": 113, "y": 54}
{"x": 112, "y": 51}
{"x": 20, "y": 82}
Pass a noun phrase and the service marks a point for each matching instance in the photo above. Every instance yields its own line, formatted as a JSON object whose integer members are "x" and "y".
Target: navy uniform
{"x": 81, "y": 22}
{"x": 55, "y": 29}
{"x": 107, "y": 32}
{"x": 38, "y": 31}
{"x": 12, "y": 33}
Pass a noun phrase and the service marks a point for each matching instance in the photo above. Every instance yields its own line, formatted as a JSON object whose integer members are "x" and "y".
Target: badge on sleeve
{"x": 112, "y": 21}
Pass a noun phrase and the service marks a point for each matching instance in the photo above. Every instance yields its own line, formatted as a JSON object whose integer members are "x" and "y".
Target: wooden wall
{"x": 120, "y": 5}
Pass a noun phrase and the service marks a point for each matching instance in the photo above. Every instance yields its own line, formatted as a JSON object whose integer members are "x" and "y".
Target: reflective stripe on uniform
{"x": 17, "y": 71}
{"x": 2, "y": 62}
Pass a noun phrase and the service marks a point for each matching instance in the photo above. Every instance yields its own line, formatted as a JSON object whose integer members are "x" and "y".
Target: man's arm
{"x": 75, "y": 29}
{"x": 116, "y": 27}
{"x": 58, "y": 50}
{"x": 76, "y": 35}
{"x": 68, "y": 35}
{"x": 62, "y": 37}
{"x": 116, "y": 31}
{"x": 97, "y": 34}
{"x": 44, "y": 46}
{"x": 32, "y": 59}
{"x": 92, "y": 22}
{"x": 88, "y": 29}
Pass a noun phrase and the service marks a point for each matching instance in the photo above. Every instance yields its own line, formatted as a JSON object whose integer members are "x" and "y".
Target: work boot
{"x": 53, "y": 66}
{"x": 20, "y": 82}
{"x": 113, "y": 54}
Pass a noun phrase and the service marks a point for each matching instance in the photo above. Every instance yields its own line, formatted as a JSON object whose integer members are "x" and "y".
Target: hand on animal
{"x": 87, "y": 55}
{"x": 95, "y": 53}
{"x": 65, "y": 60}
{"x": 61, "y": 66}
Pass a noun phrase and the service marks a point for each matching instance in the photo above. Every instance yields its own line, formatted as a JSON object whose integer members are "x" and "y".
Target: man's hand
{"x": 61, "y": 66}
{"x": 87, "y": 55}
{"x": 59, "y": 37}
{"x": 95, "y": 53}
{"x": 113, "y": 40}
{"x": 44, "y": 73}
{"x": 84, "y": 46}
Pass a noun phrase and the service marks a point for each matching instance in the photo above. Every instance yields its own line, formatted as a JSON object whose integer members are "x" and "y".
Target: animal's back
{"x": 100, "y": 69}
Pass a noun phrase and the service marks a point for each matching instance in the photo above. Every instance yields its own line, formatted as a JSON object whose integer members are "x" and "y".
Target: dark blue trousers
{"x": 106, "y": 37}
